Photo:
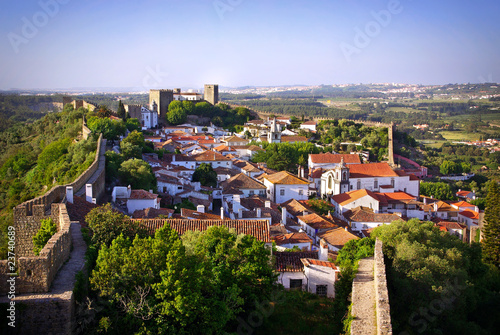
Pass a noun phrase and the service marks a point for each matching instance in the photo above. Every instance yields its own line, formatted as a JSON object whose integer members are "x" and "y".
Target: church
{"x": 375, "y": 177}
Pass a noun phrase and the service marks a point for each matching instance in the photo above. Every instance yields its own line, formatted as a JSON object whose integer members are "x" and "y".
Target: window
{"x": 301, "y": 192}
{"x": 295, "y": 283}
{"x": 321, "y": 290}
{"x": 282, "y": 192}
{"x": 392, "y": 182}
{"x": 330, "y": 181}
{"x": 345, "y": 176}
{"x": 262, "y": 192}
{"x": 251, "y": 192}
{"x": 359, "y": 185}
{"x": 375, "y": 183}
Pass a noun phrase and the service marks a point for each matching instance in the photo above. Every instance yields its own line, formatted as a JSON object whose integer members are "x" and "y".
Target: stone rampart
{"x": 382, "y": 306}
{"x": 36, "y": 273}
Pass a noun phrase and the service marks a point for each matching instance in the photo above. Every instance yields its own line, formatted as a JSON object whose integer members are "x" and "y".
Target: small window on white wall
{"x": 282, "y": 192}
{"x": 301, "y": 192}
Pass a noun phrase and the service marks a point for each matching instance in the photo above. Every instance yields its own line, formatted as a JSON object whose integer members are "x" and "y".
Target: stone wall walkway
{"x": 363, "y": 299}
{"x": 102, "y": 164}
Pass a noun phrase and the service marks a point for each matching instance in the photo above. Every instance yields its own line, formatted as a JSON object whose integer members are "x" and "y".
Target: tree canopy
{"x": 491, "y": 229}
{"x": 206, "y": 175}
{"x": 138, "y": 174}
{"x": 177, "y": 112}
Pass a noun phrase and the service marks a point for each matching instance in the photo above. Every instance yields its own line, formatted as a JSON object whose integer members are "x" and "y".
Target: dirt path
{"x": 363, "y": 299}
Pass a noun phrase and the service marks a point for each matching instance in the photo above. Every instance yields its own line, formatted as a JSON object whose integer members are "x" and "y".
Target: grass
{"x": 403, "y": 110}
{"x": 436, "y": 144}
{"x": 460, "y": 136}
{"x": 300, "y": 313}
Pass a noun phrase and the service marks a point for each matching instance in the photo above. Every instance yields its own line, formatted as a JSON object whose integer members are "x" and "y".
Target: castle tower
{"x": 211, "y": 93}
{"x": 163, "y": 98}
{"x": 273, "y": 135}
{"x": 154, "y": 107}
{"x": 391, "y": 145}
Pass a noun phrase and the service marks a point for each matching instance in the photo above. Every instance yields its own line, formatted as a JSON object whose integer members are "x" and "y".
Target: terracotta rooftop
{"x": 316, "y": 173}
{"x": 348, "y": 197}
{"x": 317, "y": 222}
{"x": 286, "y": 138}
{"x": 286, "y": 178}
{"x": 257, "y": 228}
{"x": 79, "y": 209}
{"x": 241, "y": 181}
{"x": 363, "y": 214}
{"x": 463, "y": 193}
{"x": 395, "y": 197}
{"x": 463, "y": 204}
{"x": 470, "y": 214}
{"x": 142, "y": 194}
{"x": 291, "y": 261}
{"x": 209, "y": 156}
{"x": 338, "y": 237}
{"x": 296, "y": 207}
{"x": 195, "y": 215}
{"x": 449, "y": 225}
{"x": 235, "y": 138}
{"x": 151, "y": 213}
{"x": 310, "y": 123}
{"x": 292, "y": 238}
{"x": 371, "y": 170}
{"x": 334, "y": 158}
{"x": 312, "y": 261}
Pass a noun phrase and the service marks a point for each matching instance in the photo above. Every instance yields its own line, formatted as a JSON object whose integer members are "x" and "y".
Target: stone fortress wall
{"x": 382, "y": 306}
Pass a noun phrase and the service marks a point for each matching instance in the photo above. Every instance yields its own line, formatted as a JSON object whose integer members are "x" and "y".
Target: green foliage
{"x": 177, "y": 113}
{"x": 138, "y": 174}
{"x": 206, "y": 175}
{"x": 491, "y": 229}
{"x": 479, "y": 202}
{"x": 121, "y": 110}
{"x": 110, "y": 129}
{"x": 160, "y": 287}
{"x": 133, "y": 145}
{"x": 320, "y": 206}
{"x": 47, "y": 229}
{"x": 441, "y": 190}
{"x": 133, "y": 124}
{"x": 107, "y": 224}
{"x": 284, "y": 156}
{"x": 449, "y": 167}
{"x": 427, "y": 267}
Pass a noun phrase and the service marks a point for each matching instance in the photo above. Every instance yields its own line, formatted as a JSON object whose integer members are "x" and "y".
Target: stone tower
{"x": 163, "y": 98}
{"x": 391, "y": 144}
{"x": 273, "y": 135}
{"x": 211, "y": 93}
{"x": 341, "y": 177}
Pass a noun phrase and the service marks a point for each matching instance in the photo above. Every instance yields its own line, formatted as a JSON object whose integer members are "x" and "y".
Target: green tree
{"x": 107, "y": 224}
{"x": 449, "y": 167}
{"x": 110, "y": 129}
{"x": 133, "y": 124}
{"x": 206, "y": 175}
{"x": 121, "y": 110}
{"x": 491, "y": 229}
{"x": 47, "y": 229}
{"x": 321, "y": 207}
{"x": 133, "y": 145}
{"x": 442, "y": 191}
{"x": 176, "y": 113}
{"x": 138, "y": 174}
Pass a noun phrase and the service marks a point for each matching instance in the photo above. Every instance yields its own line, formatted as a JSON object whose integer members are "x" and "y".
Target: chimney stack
{"x": 69, "y": 194}
{"x": 88, "y": 193}
{"x": 268, "y": 204}
{"x": 200, "y": 208}
{"x": 222, "y": 213}
{"x": 283, "y": 215}
{"x": 240, "y": 213}
{"x": 259, "y": 212}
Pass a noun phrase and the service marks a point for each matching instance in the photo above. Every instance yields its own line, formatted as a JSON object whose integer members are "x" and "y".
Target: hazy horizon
{"x": 65, "y": 44}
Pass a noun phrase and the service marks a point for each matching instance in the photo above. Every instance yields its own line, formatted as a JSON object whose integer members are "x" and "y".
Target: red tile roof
{"x": 334, "y": 158}
{"x": 362, "y": 214}
{"x": 470, "y": 214}
{"x": 293, "y": 139}
{"x": 142, "y": 194}
{"x": 463, "y": 193}
{"x": 338, "y": 237}
{"x": 195, "y": 215}
{"x": 348, "y": 197}
{"x": 241, "y": 181}
{"x": 317, "y": 222}
{"x": 449, "y": 225}
{"x": 151, "y": 213}
{"x": 209, "y": 156}
{"x": 311, "y": 261}
{"x": 291, "y": 261}
{"x": 257, "y": 228}
{"x": 286, "y": 178}
{"x": 292, "y": 238}
{"x": 371, "y": 170}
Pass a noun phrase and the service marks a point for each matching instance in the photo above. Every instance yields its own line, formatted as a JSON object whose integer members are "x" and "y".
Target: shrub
{"x": 47, "y": 229}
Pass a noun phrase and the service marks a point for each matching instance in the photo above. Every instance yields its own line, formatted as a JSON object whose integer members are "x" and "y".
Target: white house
{"x": 213, "y": 158}
{"x": 309, "y": 125}
{"x": 336, "y": 238}
{"x": 291, "y": 269}
{"x": 321, "y": 276}
{"x": 241, "y": 186}
{"x": 283, "y": 186}
{"x": 136, "y": 199}
{"x": 469, "y": 218}
{"x": 314, "y": 225}
{"x": 350, "y": 200}
{"x": 149, "y": 118}
{"x": 361, "y": 218}
{"x": 235, "y": 141}
{"x": 180, "y": 160}
{"x": 377, "y": 177}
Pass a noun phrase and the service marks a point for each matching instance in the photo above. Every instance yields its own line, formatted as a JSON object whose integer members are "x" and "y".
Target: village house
{"x": 336, "y": 238}
{"x": 283, "y": 186}
{"x": 213, "y": 158}
{"x": 290, "y": 268}
{"x": 309, "y": 125}
{"x": 329, "y": 161}
{"x": 314, "y": 224}
{"x": 362, "y": 218}
{"x": 321, "y": 276}
{"x": 291, "y": 240}
{"x": 235, "y": 141}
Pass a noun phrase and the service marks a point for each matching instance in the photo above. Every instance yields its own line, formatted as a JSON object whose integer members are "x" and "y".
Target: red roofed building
{"x": 330, "y": 161}
{"x": 213, "y": 158}
{"x": 299, "y": 240}
{"x": 321, "y": 276}
{"x": 376, "y": 177}
{"x": 454, "y": 228}
{"x": 469, "y": 218}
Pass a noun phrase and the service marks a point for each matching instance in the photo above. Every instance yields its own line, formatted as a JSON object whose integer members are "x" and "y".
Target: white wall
{"x": 135, "y": 204}
{"x": 284, "y": 278}
{"x": 320, "y": 275}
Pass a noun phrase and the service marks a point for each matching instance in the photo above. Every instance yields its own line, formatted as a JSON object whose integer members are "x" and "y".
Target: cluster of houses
{"x": 274, "y": 206}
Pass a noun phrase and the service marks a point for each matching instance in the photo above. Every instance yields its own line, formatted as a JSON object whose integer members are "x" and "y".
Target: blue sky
{"x": 54, "y": 44}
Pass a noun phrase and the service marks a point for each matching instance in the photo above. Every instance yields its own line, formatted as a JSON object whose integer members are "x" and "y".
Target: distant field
{"x": 432, "y": 143}
{"x": 403, "y": 110}
{"x": 459, "y": 136}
